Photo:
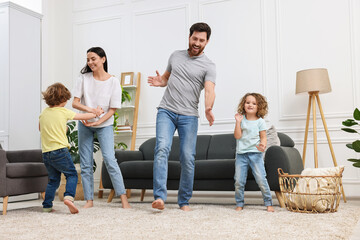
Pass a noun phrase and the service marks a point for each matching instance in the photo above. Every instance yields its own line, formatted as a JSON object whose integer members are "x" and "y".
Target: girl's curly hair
{"x": 262, "y": 105}
{"x": 56, "y": 94}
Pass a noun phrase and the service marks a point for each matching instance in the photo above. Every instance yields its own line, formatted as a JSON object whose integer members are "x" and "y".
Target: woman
{"x": 94, "y": 91}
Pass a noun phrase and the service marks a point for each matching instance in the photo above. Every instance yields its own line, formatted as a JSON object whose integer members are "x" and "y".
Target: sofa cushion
{"x": 222, "y": 146}
{"x": 202, "y": 144}
{"x": 26, "y": 169}
{"x": 144, "y": 169}
{"x": 215, "y": 169}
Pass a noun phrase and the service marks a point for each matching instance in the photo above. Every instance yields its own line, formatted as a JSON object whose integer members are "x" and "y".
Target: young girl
{"x": 250, "y": 134}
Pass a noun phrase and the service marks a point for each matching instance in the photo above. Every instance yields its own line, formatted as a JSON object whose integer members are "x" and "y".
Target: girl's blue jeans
{"x": 255, "y": 161}
{"x": 57, "y": 162}
{"x": 166, "y": 124}
{"x": 86, "y": 148}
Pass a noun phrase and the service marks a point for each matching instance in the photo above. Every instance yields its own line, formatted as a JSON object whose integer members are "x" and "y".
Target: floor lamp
{"x": 314, "y": 82}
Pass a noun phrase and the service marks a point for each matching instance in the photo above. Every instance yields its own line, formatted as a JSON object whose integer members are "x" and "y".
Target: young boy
{"x": 54, "y": 144}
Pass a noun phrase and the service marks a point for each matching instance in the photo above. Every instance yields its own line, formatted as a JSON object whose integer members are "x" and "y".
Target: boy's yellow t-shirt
{"x": 53, "y": 128}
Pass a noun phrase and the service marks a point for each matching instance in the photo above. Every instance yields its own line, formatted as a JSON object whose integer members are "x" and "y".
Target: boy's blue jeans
{"x": 86, "y": 149}
{"x": 166, "y": 124}
{"x": 255, "y": 161}
{"x": 57, "y": 162}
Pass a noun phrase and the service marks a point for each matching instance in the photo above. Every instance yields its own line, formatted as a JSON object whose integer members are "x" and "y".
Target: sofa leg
{"x": 5, "y": 203}
{"x": 43, "y": 195}
{"x": 111, "y": 195}
{"x": 128, "y": 193}
{"x": 280, "y": 199}
{"x": 142, "y": 194}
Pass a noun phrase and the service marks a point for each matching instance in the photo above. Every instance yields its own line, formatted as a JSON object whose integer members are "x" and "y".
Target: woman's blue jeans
{"x": 166, "y": 124}
{"x": 57, "y": 162}
{"x": 255, "y": 161}
{"x": 86, "y": 148}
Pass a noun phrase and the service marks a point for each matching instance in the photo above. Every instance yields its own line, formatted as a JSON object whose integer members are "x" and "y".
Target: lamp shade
{"x": 313, "y": 80}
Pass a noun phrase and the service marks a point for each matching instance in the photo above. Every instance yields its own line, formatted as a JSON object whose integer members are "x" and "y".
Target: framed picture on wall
{"x": 127, "y": 78}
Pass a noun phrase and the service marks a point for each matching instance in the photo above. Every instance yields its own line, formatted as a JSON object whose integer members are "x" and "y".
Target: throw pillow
{"x": 316, "y": 192}
{"x": 272, "y": 137}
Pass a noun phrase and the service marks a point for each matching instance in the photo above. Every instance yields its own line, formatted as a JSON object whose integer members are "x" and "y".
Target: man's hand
{"x": 210, "y": 116}
{"x": 155, "y": 81}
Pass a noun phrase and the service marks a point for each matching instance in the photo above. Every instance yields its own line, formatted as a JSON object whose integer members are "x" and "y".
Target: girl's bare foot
{"x": 185, "y": 208}
{"x": 270, "y": 209}
{"x": 124, "y": 201}
{"x": 158, "y": 204}
{"x": 89, "y": 204}
{"x": 71, "y": 206}
{"x": 238, "y": 208}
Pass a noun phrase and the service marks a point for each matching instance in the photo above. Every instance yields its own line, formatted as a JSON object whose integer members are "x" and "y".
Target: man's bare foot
{"x": 124, "y": 201}
{"x": 239, "y": 208}
{"x": 71, "y": 206}
{"x": 158, "y": 204}
{"x": 185, "y": 208}
{"x": 270, "y": 209}
{"x": 89, "y": 204}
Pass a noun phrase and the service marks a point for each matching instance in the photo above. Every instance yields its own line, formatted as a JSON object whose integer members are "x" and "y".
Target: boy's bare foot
{"x": 185, "y": 208}
{"x": 270, "y": 209}
{"x": 239, "y": 208}
{"x": 158, "y": 204}
{"x": 124, "y": 201}
{"x": 89, "y": 204}
{"x": 71, "y": 206}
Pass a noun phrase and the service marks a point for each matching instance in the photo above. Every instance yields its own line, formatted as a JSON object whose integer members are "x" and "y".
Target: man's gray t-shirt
{"x": 187, "y": 79}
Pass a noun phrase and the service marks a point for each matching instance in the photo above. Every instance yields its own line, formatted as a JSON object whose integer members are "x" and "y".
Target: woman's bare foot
{"x": 124, "y": 201}
{"x": 185, "y": 208}
{"x": 270, "y": 209}
{"x": 73, "y": 209}
{"x": 89, "y": 204}
{"x": 158, "y": 204}
{"x": 239, "y": 208}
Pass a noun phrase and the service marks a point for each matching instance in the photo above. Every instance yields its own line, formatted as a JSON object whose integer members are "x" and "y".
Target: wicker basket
{"x": 310, "y": 194}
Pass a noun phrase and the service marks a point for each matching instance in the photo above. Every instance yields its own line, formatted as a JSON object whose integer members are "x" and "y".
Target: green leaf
{"x": 357, "y": 164}
{"x": 349, "y": 123}
{"x": 356, "y": 145}
{"x": 353, "y": 160}
{"x": 349, "y": 145}
{"x": 349, "y": 130}
{"x": 356, "y": 114}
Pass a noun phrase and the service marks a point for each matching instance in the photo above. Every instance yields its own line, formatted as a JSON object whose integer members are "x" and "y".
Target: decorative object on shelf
{"x": 313, "y": 82}
{"x": 127, "y": 78}
{"x": 350, "y": 125}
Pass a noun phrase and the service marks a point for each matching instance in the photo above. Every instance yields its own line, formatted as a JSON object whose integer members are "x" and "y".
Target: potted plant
{"x": 351, "y": 124}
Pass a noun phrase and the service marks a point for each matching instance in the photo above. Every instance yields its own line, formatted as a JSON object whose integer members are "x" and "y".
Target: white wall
{"x": 257, "y": 45}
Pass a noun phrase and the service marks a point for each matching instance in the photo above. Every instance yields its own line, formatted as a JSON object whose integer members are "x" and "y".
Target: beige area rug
{"x": 206, "y": 221}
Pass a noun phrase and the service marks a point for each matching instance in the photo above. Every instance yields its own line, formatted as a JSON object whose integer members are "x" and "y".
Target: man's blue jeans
{"x": 166, "y": 124}
{"x": 57, "y": 162}
{"x": 86, "y": 148}
{"x": 255, "y": 161}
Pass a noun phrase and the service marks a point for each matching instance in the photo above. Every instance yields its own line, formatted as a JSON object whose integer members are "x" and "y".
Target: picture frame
{"x": 127, "y": 78}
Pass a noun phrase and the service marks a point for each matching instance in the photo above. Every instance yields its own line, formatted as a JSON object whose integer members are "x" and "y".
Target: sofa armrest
{"x": 3, "y": 161}
{"x": 19, "y": 156}
{"x": 287, "y": 158}
{"x": 124, "y": 156}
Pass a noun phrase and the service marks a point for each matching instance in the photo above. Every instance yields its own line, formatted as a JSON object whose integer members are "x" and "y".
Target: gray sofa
{"x": 214, "y": 165}
{"x": 21, "y": 172}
